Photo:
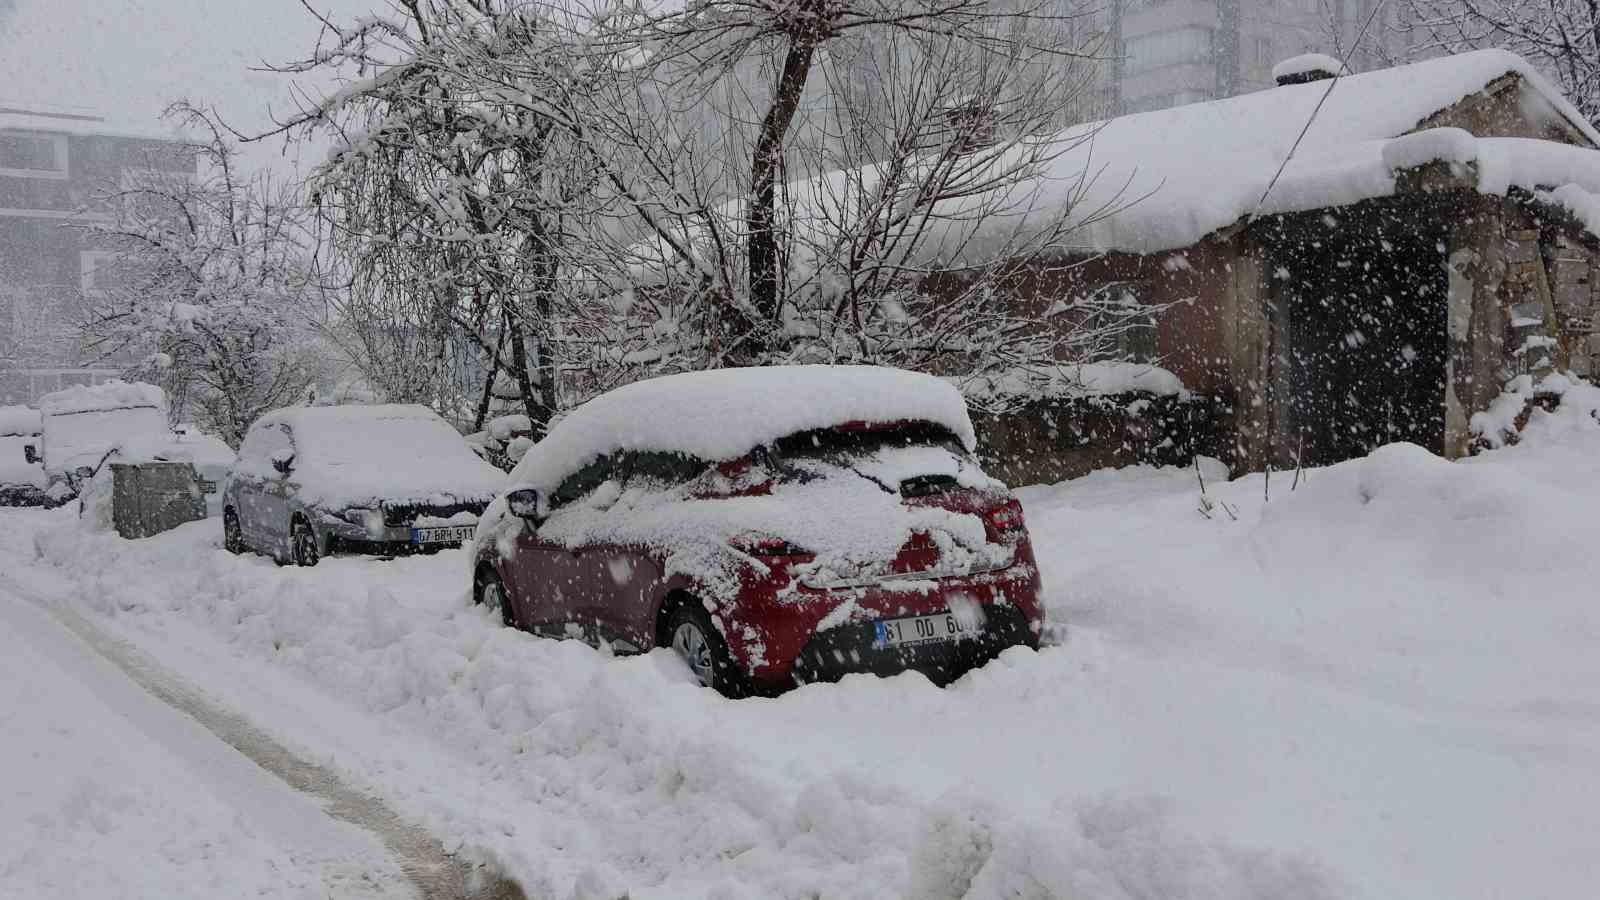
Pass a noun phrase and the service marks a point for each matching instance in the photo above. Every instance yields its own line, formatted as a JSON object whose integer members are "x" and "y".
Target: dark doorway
{"x": 1366, "y": 321}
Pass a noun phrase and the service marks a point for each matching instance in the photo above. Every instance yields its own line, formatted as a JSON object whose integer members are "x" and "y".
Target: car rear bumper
{"x": 827, "y": 634}
{"x": 835, "y": 652}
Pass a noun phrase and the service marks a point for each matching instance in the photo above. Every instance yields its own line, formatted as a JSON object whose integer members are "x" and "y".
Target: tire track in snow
{"x": 434, "y": 871}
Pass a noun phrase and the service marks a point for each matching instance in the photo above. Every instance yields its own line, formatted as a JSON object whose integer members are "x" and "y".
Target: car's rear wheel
{"x": 304, "y": 544}
{"x": 491, "y": 592}
{"x": 232, "y": 534}
{"x": 698, "y": 643}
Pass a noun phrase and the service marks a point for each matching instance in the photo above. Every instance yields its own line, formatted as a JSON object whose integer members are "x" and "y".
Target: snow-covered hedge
{"x": 1102, "y": 379}
{"x": 1503, "y": 422}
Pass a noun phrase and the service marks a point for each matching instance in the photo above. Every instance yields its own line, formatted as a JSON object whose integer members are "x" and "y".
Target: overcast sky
{"x": 127, "y": 59}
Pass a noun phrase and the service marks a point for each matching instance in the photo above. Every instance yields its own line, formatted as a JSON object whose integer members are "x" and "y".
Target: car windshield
{"x": 849, "y": 444}
{"x": 388, "y": 440}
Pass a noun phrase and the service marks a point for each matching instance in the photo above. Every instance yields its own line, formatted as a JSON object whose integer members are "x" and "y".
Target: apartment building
{"x": 1174, "y": 52}
{"x": 56, "y": 167}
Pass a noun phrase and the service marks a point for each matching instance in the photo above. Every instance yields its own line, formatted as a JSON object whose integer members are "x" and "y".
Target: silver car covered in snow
{"x": 311, "y": 481}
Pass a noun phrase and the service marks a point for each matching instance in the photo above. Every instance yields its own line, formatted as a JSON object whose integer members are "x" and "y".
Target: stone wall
{"x": 1524, "y": 290}
{"x": 1053, "y": 440}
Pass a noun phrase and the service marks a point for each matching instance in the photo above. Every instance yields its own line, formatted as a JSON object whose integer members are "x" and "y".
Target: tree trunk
{"x": 519, "y": 362}
{"x": 488, "y": 383}
{"x": 766, "y": 164}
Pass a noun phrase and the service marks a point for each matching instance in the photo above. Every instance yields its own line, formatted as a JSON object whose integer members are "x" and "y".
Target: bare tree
{"x": 203, "y": 281}
{"x": 1560, "y": 37}
{"x": 452, "y": 193}
{"x": 693, "y": 51}
{"x": 926, "y": 219}
{"x": 506, "y": 169}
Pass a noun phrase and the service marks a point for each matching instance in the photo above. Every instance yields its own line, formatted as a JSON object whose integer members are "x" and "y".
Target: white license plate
{"x": 454, "y": 534}
{"x": 922, "y": 630}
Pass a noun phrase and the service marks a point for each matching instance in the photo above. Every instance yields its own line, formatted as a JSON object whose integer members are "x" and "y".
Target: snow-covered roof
{"x": 722, "y": 414}
{"x": 81, "y": 125}
{"x": 1162, "y": 180}
{"x": 362, "y": 455}
{"x": 1202, "y": 167}
{"x": 18, "y": 420}
{"x": 112, "y": 394}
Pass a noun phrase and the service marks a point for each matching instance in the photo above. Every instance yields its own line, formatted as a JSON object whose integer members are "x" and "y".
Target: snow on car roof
{"x": 723, "y": 413}
{"x": 362, "y": 455}
{"x": 18, "y": 420}
{"x": 108, "y": 395}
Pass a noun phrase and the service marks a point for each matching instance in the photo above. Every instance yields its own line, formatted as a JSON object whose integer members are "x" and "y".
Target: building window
{"x": 28, "y": 155}
{"x": 96, "y": 272}
{"x": 1168, "y": 48}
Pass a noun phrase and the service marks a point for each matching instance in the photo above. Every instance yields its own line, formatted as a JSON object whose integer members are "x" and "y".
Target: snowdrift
{"x": 1374, "y": 685}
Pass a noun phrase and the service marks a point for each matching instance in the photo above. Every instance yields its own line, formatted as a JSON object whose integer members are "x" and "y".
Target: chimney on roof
{"x": 1308, "y": 67}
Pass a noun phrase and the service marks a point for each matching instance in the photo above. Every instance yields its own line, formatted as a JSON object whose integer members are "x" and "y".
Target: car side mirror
{"x": 283, "y": 461}
{"x": 30, "y": 453}
{"x": 524, "y": 504}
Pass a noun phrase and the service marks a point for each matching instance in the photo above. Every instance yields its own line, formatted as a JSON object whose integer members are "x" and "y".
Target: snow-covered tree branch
{"x": 203, "y": 282}
{"x": 1561, "y": 37}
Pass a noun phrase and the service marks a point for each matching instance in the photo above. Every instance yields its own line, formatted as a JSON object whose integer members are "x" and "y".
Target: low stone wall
{"x": 1053, "y": 440}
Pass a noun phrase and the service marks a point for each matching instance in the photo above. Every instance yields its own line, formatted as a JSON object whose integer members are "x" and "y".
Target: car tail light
{"x": 1006, "y": 519}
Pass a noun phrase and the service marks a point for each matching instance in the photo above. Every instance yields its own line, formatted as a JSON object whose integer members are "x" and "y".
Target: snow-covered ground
{"x": 106, "y": 791}
{"x": 1376, "y": 685}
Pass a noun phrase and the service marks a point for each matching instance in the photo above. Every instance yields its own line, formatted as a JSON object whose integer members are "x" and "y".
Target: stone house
{"x": 54, "y": 165}
{"x": 1378, "y": 274}
{"x": 1330, "y": 264}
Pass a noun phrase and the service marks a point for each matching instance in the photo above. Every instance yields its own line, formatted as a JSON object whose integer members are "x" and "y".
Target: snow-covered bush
{"x": 1524, "y": 398}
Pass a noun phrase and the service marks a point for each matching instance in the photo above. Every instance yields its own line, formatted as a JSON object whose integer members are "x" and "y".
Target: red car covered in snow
{"x": 773, "y": 526}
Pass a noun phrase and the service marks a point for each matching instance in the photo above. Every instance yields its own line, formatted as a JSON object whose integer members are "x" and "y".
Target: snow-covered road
{"x": 1378, "y": 685}
{"x": 109, "y": 792}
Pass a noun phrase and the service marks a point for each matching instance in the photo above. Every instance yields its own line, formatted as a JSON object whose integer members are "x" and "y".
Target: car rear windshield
{"x": 844, "y": 445}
